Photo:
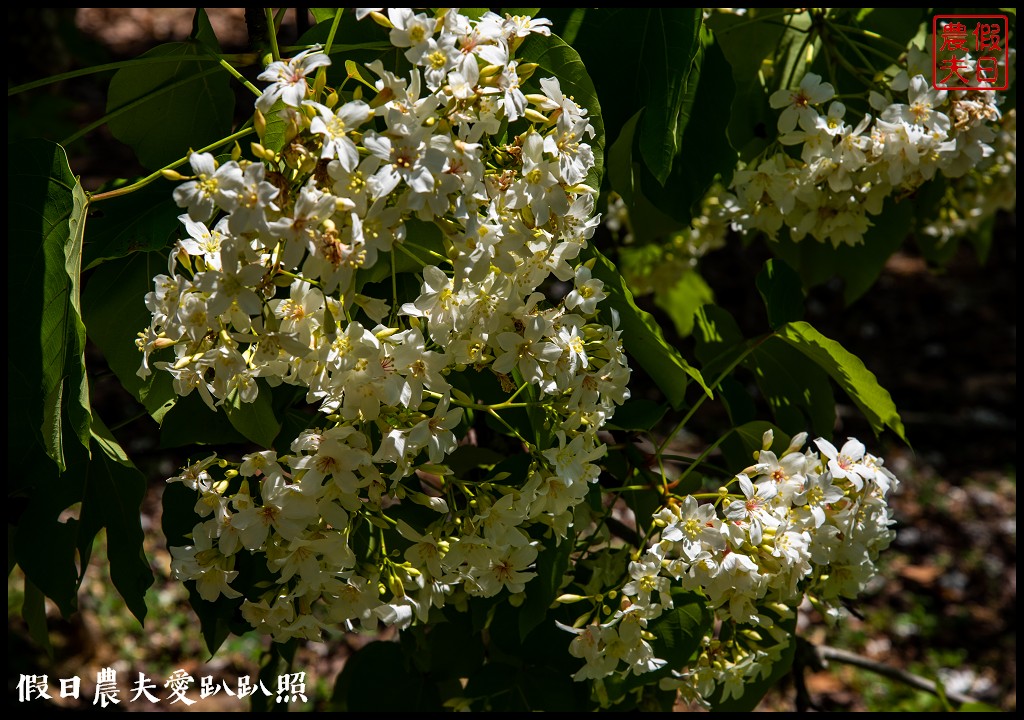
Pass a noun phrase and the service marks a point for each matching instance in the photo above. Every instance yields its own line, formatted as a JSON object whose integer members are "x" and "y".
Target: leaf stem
{"x": 334, "y": 30}
{"x": 153, "y": 176}
{"x": 238, "y": 58}
{"x": 272, "y": 34}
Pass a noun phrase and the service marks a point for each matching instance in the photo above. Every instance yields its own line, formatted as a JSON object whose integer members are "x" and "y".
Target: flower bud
{"x": 259, "y": 122}
{"x": 534, "y": 116}
{"x": 569, "y": 598}
{"x": 526, "y": 70}
{"x": 381, "y": 20}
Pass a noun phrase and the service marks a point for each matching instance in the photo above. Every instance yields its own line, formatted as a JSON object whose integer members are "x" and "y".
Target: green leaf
{"x": 637, "y": 414}
{"x": 552, "y": 563}
{"x": 797, "y": 390}
{"x": 679, "y": 631}
{"x": 641, "y": 335}
{"x": 163, "y": 110}
{"x": 113, "y": 499}
{"x": 780, "y": 289}
{"x": 858, "y": 265}
{"x": 751, "y": 43}
{"x": 45, "y": 224}
{"x": 255, "y": 420}
{"x": 621, "y": 169}
{"x": 716, "y": 333}
{"x": 651, "y": 75}
{"x": 45, "y": 546}
{"x": 203, "y": 32}
{"x": 191, "y": 422}
{"x": 142, "y": 221}
{"x": 667, "y": 77}
{"x": 322, "y": 14}
{"x": 377, "y": 679}
{"x": 848, "y": 370}
{"x": 740, "y": 446}
{"x": 115, "y": 312}
{"x": 678, "y": 634}
{"x": 647, "y": 222}
{"x": 861, "y": 265}
{"x": 705, "y": 151}
{"x": 682, "y": 300}
{"x": 897, "y": 24}
{"x": 33, "y": 610}
{"x": 277, "y": 126}
{"x": 559, "y": 60}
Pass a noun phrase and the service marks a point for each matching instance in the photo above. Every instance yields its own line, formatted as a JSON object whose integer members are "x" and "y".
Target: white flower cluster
{"x": 973, "y": 199}
{"x": 847, "y": 168}
{"x": 808, "y": 523}
{"x": 273, "y": 289}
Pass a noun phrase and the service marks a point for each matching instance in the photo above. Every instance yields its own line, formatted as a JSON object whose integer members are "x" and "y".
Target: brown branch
{"x": 825, "y": 654}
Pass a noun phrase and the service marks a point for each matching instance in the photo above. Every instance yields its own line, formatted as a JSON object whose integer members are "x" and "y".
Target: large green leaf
{"x": 858, "y": 265}
{"x": 163, "y": 110}
{"x": 667, "y": 79}
{"x": 849, "y": 371}
{"x": 45, "y": 544}
{"x": 741, "y": 444}
{"x": 191, "y": 422}
{"x": 552, "y": 562}
{"x": 322, "y": 14}
{"x": 677, "y": 639}
{"x": 561, "y": 61}
{"x": 648, "y": 222}
{"x": 113, "y": 500}
{"x": 377, "y": 678}
{"x": 45, "y": 222}
{"x": 115, "y": 312}
{"x": 757, "y": 45}
{"x": 255, "y": 420}
{"x": 641, "y": 335}
{"x": 678, "y": 632}
{"x": 660, "y": 206}
{"x": 797, "y": 390}
{"x": 681, "y": 301}
{"x": 717, "y": 333}
{"x": 651, "y": 74}
{"x": 142, "y": 221}
{"x": 780, "y": 289}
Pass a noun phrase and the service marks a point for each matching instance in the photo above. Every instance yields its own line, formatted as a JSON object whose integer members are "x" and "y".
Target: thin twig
{"x": 825, "y": 654}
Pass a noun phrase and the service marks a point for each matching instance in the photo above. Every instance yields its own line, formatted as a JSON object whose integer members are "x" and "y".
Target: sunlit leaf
{"x": 641, "y": 335}
{"x": 849, "y": 371}
{"x": 45, "y": 225}
{"x": 559, "y": 60}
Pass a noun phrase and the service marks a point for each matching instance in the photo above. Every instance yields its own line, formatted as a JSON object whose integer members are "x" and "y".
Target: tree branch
{"x": 825, "y": 654}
